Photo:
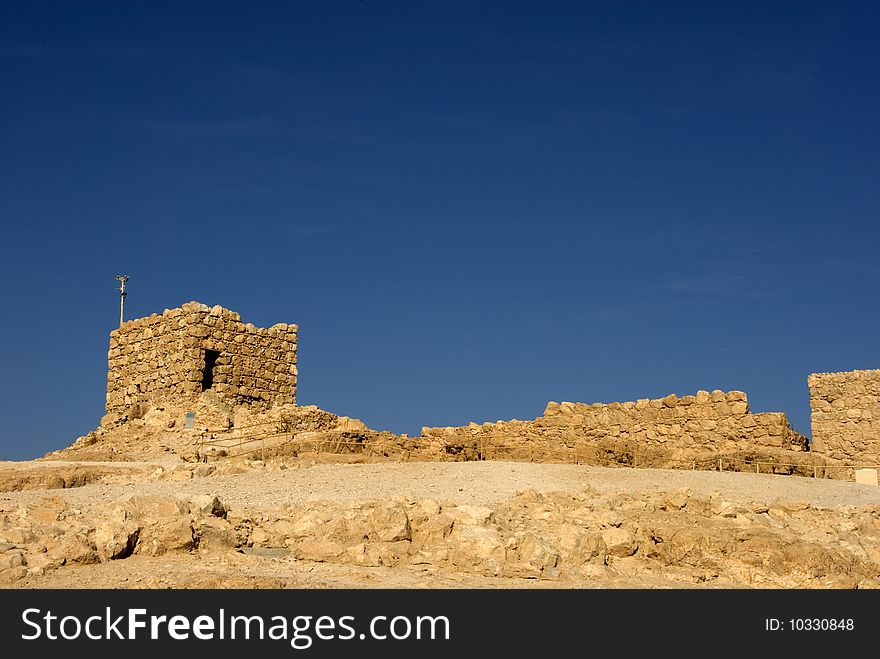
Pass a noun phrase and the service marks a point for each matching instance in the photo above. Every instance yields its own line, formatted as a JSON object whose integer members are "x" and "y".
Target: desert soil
{"x": 277, "y": 487}
{"x": 474, "y": 483}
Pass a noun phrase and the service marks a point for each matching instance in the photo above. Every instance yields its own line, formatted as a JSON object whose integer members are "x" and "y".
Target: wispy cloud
{"x": 744, "y": 283}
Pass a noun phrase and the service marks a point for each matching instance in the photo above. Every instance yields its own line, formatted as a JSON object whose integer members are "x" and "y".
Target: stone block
{"x": 739, "y": 407}
{"x": 866, "y": 476}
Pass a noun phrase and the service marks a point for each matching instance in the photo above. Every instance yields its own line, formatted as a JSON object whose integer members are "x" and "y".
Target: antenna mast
{"x": 122, "y": 279}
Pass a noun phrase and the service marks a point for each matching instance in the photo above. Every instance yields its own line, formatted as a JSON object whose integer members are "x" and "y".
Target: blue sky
{"x": 469, "y": 208}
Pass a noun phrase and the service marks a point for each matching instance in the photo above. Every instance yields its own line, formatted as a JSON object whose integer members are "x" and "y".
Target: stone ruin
{"x": 199, "y": 357}
{"x": 846, "y": 415}
{"x": 672, "y": 432}
{"x": 181, "y": 353}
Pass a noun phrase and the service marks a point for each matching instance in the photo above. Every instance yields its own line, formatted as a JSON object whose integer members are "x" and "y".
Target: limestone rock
{"x": 349, "y": 424}
{"x": 309, "y": 524}
{"x": 11, "y": 560}
{"x": 153, "y": 506}
{"x": 578, "y": 545}
{"x": 430, "y": 555}
{"x": 476, "y": 546}
{"x": 471, "y": 515}
{"x": 48, "y": 510}
{"x": 167, "y": 535}
{"x": 115, "y": 538}
{"x": 537, "y": 553}
{"x": 619, "y": 542}
{"x": 206, "y": 504}
{"x": 317, "y": 550}
{"x": 73, "y": 549}
{"x": 678, "y": 499}
{"x": 423, "y": 509}
{"x": 434, "y": 529}
{"x": 42, "y": 562}
{"x": 376, "y": 554}
{"x": 215, "y": 534}
{"x": 13, "y": 574}
{"x": 608, "y": 518}
{"x": 390, "y": 523}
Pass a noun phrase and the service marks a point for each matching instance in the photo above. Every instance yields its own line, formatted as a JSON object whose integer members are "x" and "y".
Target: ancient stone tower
{"x": 846, "y": 415}
{"x": 177, "y": 355}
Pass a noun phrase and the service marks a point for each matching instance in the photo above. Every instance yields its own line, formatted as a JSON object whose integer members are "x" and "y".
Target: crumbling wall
{"x": 163, "y": 357}
{"x": 147, "y": 360}
{"x": 846, "y": 415}
{"x": 666, "y": 432}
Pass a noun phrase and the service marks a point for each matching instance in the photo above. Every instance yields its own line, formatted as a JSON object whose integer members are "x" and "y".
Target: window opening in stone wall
{"x": 208, "y": 374}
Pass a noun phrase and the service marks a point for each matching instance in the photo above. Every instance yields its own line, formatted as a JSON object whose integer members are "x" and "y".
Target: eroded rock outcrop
{"x": 572, "y": 539}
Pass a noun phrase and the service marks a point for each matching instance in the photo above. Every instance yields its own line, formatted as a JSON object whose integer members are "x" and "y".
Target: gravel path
{"x": 479, "y": 483}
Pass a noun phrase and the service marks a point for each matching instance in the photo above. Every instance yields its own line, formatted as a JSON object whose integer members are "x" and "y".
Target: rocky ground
{"x": 315, "y": 523}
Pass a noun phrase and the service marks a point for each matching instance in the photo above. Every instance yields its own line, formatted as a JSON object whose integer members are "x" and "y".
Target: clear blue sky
{"x": 469, "y": 208}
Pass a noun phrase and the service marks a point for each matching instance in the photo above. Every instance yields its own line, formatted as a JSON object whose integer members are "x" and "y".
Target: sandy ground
{"x": 241, "y": 571}
{"x": 475, "y": 483}
{"x": 478, "y": 483}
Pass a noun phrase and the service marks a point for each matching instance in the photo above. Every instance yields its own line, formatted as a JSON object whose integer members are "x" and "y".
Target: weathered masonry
{"x": 845, "y": 415}
{"x": 183, "y": 352}
{"x": 668, "y": 432}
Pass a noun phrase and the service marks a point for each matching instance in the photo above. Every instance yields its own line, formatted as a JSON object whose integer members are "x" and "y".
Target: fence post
{"x": 720, "y": 463}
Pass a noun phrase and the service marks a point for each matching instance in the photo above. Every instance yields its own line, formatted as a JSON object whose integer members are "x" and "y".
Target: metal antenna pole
{"x": 122, "y": 279}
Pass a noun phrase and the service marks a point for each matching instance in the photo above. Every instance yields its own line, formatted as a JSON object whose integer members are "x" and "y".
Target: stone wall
{"x": 668, "y": 432}
{"x": 846, "y": 415}
{"x": 182, "y": 352}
